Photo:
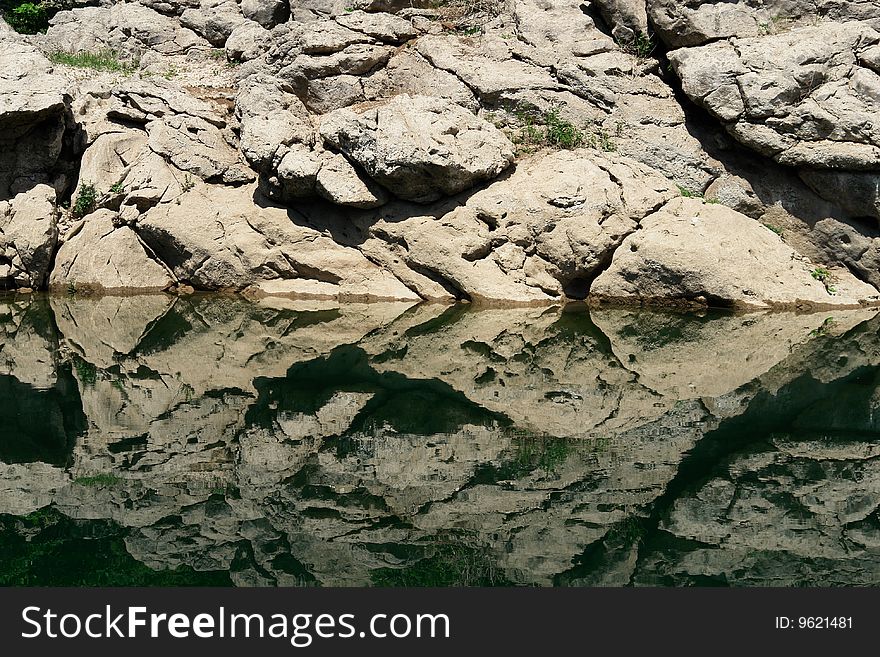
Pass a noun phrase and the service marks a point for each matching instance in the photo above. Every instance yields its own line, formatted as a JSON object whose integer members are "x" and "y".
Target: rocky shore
{"x": 517, "y": 151}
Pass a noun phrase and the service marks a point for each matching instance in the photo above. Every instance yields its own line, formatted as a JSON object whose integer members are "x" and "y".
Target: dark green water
{"x": 209, "y": 441}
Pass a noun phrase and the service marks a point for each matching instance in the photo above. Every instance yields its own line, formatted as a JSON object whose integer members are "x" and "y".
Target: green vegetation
{"x": 27, "y": 18}
{"x": 642, "y": 46}
{"x": 776, "y": 229}
{"x": 188, "y": 183}
{"x": 541, "y": 453}
{"x": 562, "y": 133}
{"x": 684, "y": 191}
{"x": 822, "y": 275}
{"x": 86, "y": 198}
{"x": 32, "y": 17}
{"x": 552, "y": 130}
{"x": 98, "y": 481}
{"x": 102, "y": 60}
{"x": 117, "y": 187}
{"x": 86, "y": 372}
{"x": 824, "y": 328}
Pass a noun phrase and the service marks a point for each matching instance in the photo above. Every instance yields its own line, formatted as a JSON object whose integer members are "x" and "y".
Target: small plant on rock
{"x": 562, "y": 133}
{"x": 103, "y": 60}
{"x": 86, "y": 198}
{"x": 28, "y": 18}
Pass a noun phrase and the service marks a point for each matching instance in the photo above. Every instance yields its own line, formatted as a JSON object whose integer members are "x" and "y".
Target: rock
{"x": 492, "y": 75}
{"x": 267, "y": 13}
{"x": 214, "y": 20}
{"x": 272, "y": 120}
{"x": 143, "y": 100}
{"x": 247, "y": 41}
{"x": 108, "y": 159}
{"x": 339, "y": 182}
{"x": 419, "y": 147}
{"x": 33, "y": 118}
{"x": 385, "y": 27}
{"x": 628, "y": 18}
{"x": 540, "y": 234}
{"x": 681, "y": 24}
{"x": 296, "y": 175}
{"x": 101, "y": 257}
{"x": 798, "y": 97}
{"x": 858, "y": 192}
{"x": 28, "y": 234}
{"x": 216, "y": 238}
{"x": 196, "y": 146}
{"x": 694, "y": 251}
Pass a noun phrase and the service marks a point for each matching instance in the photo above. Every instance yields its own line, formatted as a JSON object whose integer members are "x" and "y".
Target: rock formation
{"x": 490, "y": 152}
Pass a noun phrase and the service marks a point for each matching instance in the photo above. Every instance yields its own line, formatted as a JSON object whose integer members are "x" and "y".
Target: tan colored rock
{"x": 340, "y": 183}
{"x": 102, "y": 257}
{"x": 708, "y": 253}
{"x": 216, "y": 238}
{"x": 419, "y": 147}
{"x": 28, "y": 234}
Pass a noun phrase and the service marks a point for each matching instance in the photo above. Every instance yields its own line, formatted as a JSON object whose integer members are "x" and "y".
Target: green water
{"x": 210, "y": 441}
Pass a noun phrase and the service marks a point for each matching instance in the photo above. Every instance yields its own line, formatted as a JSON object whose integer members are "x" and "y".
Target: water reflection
{"x": 153, "y": 440}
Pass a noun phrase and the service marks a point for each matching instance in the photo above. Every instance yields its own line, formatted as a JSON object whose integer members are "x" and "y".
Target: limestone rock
{"x": 540, "y": 234}
{"x": 194, "y": 145}
{"x": 101, "y": 257}
{"x": 267, "y": 13}
{"x": 247, "y": 41}
{"x": 339, "y": 182}
{"x": 691, "y": 250}
{"x": 217, "y": 238}
{"x": 419, "y": 147}
{"x": 628, "y": 18}
{"x": 33, "y": 118}
{"x": 801, "y": 97}
{"x": 214, "y": 20}
{"x": 28, "y": 234}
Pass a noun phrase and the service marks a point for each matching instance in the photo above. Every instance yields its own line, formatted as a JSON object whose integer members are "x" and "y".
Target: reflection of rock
{"x": 307, "y": 442}
{"x": 686, "y": 357}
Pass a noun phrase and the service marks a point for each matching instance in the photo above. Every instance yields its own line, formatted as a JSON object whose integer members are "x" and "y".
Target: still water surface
{"x": 148, "y": 440}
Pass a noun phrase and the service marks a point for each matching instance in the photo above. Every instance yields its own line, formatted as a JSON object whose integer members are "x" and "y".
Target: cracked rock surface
{"x": 500, "y": 152}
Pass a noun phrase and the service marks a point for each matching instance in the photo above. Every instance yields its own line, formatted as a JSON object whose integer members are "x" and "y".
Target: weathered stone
{"x": 216, "y": 238}
{"x": 247, "y": 41}
{"x": 419, "y": 147}
{"x": 267, "y": 13}
{"x": 799, "y": 97}
{"x": 711, "y": 254}
{"x": 195, "y": 145}
{"x": 214, "y": 20}
{"x": 33, "y": 118}
{"x": 28, "y": 234}
{"x": 339, "y": 182}
{"x": 100, "y": 257}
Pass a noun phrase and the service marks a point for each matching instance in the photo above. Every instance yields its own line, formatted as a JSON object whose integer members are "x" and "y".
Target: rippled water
{"x": 147, "y": 440}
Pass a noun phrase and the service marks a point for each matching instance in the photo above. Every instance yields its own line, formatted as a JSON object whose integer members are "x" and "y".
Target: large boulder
{"x": 807, "y": 98}
{"x": 33, "y": 118}
{"x": 28, "y": 234}
{"x": 539, "y": 235}
{"x": 420, "y": 148}
{"x": 98, "y": 256}
{"x": 267, "y": 13}
{"x": 218, "y": 238}
{"x": 695, "y": 22}
{"x": 711, "y": 254}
